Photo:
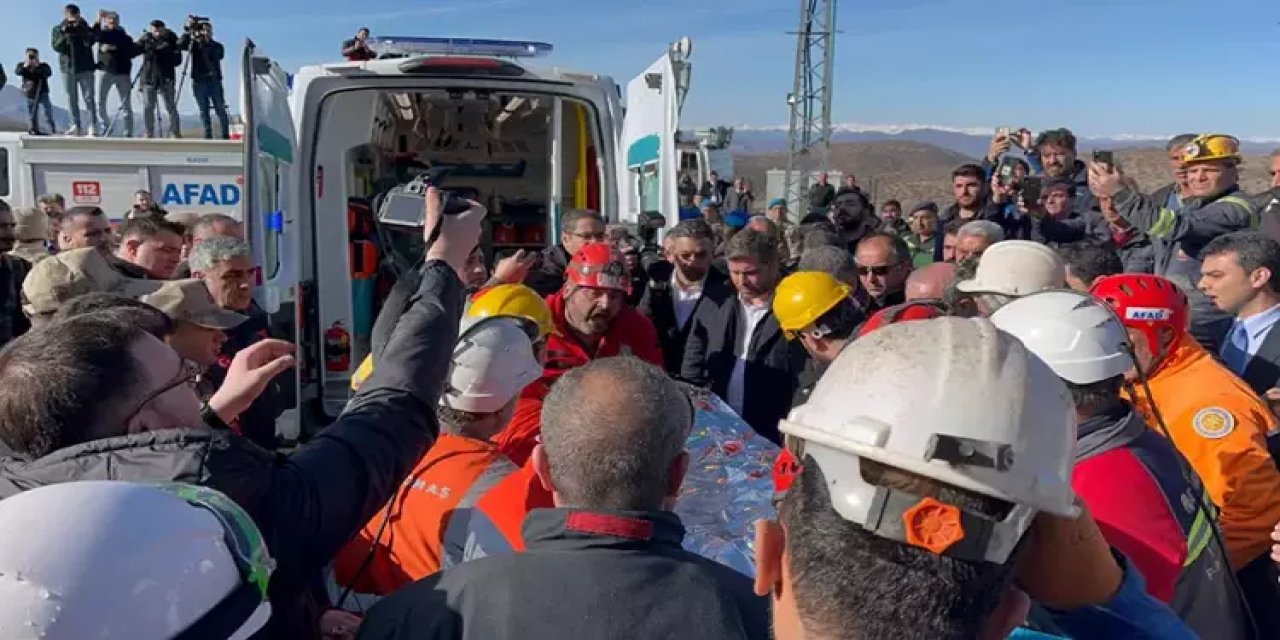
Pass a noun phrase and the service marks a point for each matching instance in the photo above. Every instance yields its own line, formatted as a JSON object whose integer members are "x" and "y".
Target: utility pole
{"x": 810, "y": 101}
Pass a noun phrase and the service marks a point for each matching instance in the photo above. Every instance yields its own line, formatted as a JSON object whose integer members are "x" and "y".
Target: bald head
{"x": 931, "y": 281}
{"x": 612, "y": 433}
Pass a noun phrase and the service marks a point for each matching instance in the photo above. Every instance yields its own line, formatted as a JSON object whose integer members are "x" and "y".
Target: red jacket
{"x": 520, "y": 436}
{"x": 631, "y": 333}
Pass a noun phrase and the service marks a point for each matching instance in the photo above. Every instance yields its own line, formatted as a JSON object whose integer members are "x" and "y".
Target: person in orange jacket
{"x": 1214, "y": 419}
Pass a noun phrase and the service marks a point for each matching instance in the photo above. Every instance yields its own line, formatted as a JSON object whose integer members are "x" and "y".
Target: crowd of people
{"x": 97, "y": 59}
{"x": 1035, "y": 413}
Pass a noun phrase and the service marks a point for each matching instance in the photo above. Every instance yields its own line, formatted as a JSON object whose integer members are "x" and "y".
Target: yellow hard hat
{"x": 512, "y": 301}
{"x": 802, "y": 298}
{"x": 1211, "y": 146}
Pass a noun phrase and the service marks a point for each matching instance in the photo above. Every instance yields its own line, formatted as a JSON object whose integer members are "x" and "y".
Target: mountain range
{"x": 972, "y": 142}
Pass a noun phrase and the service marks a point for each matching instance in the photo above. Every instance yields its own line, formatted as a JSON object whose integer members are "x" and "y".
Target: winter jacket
{"x": 307, "y": 505}
{"x": 258, "y": 422}
{"x": 821, "y": 195}
{"x": 206, "y": 57}
{"x": 1178, "y": 237}
{"x": 116, "y": 50}
{"x": 1268, "y": 206}
{"x": 604, "y": 575}
{"x": 547, "y": 276}
{"x": 738, "y": 201}
{"x": 161, "y": 57}
{"x": 629, "y": 334}
{"x": 74, "y": 44}
{"x": 1158, "y": 520}
{"x": 658, "y": 304}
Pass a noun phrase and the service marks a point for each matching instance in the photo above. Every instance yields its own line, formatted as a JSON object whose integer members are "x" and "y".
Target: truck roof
{"x": 391, "y": 67}
{"x": 73, "y": 143}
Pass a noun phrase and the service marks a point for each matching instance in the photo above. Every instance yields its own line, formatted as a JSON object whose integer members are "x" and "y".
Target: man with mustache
{"x": 592, "y": 319}
{"x": 1055, "y": 153}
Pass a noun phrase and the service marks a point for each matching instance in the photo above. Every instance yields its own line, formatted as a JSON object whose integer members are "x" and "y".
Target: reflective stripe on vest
{"x": 1167, "y": 217}
{"x": 1201, "y": 533}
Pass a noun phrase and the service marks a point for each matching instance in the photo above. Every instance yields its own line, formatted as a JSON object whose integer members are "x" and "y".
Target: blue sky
{"x": 1102, "y": 67}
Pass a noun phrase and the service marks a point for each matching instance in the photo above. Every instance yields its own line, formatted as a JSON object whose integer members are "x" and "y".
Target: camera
{"x": 197, "y": 24}
{"x": 1006, "y": 173}
{"x": 405, "y": 205}
{"x": 1106, "y": 158}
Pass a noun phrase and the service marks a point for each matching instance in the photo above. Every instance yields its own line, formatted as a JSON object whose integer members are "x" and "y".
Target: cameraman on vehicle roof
{"x": 357, "y": 49}
{"x": 206, "y": 73}
{"x": 73, "y": 40}
{"x": 161, "y": 58}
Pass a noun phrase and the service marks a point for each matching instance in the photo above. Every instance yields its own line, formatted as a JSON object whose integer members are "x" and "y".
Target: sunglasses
{"x": 882, "y": 270}
{"x": 249, "y": 552}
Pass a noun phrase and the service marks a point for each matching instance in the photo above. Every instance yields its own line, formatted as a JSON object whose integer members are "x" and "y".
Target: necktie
{"x": 1236, "y": 352}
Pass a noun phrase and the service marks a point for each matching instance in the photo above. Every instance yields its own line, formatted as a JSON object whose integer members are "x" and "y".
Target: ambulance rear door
{"x": 269, "y": 204}
{"x": 648, "y": 160}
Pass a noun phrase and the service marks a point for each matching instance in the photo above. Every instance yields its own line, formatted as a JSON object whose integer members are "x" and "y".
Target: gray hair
{"x": 752, "y": 244}
{"x": 204, "y": 225}
{"x": 833, "y": 260}
{"x": 611, "y": 431}
{"x": 1254, "y": 250}
{"x": 1179, "y": 141}
{"x": 208, "y": 254}
{"x": 696, "y": 228}
{"x": 52, "y": 198}
{"x": 983, "y": 228}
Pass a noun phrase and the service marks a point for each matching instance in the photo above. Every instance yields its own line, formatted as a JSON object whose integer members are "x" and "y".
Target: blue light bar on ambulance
{"x": 422, "y": 46}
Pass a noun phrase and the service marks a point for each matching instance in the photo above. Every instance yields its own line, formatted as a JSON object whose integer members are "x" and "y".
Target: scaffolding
{"x": 810, "y": 101}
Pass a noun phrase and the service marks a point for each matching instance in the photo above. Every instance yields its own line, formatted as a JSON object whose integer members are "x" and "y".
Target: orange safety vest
{"x": 421, "y": 535}
{"x": 1220, "y": 426}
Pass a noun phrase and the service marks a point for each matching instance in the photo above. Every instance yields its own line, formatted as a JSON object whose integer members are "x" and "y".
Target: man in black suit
{"x": 1240, "y": 274}
{"x": 677, "y": 285}
{"x": 735, "y": 346}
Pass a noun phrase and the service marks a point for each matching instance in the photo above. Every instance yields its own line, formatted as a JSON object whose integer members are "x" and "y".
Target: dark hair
{"x": 696, "y": 228}
{"x": 829, "y": 259}
{"x": 842, "y": 320}
{"x": 158, "y": 24}
{"x": 72, "y": 9}
{"x": 1063, "y": 183}
{"x": 626, "y": 466}
{"x": 1089, "y": 261}
{"x": 1180, "y": 140}
{"x": 1058, "y": 138}
{"x": 752, "y": 244}
{"x": 1254, "y": 250}
{"x": 819, "y": 235}
{"x": 851, "y": 583}
{"x": 60, "y": 383}
{"x": 32, "y": 51}
{"x": 1096, "y": 397}
{"x": 569, "y": 219}
{"x": 85, "y": 210}
{"x": 901, "y": 251}
{"x": 953, "y": 228}
{"x": 969, "y": 171}
{"x": 892, "y": 203}
{"x": 148, "y": 227}
{"x": 145, "y": 316}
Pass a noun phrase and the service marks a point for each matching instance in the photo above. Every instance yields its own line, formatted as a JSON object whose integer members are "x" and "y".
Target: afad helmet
{"x": 598, "y": 265}
{"x": 1147, "y": 303}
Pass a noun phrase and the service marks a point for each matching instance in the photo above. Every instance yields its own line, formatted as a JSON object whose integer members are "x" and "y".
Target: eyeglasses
{"x": 188, "y": 372}
{"x": 590, "y": 236}
{"x": 249, "y": 553}
{"x": 882, "y": 270}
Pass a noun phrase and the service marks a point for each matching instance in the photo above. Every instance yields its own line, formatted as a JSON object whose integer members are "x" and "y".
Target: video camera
{"x": 197, "y": 24}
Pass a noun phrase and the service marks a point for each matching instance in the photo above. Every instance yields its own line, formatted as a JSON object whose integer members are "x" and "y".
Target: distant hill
{"x": 913, "y": 172}
{"x": 15, "y": 117}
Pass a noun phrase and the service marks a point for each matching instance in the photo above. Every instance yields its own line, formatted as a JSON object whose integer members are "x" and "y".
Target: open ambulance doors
{"x": 648, "y": 160}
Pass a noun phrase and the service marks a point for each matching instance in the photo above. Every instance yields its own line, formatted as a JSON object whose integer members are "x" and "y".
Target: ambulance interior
{"x": 500, "y": 149}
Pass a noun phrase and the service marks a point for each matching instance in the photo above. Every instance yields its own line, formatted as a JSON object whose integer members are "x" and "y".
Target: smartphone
{"x": 1031, "y": 188}
{"x": 1005, "y": 172}
{"x": 1107, "y": 158}
{"x": 1004, "y": 132}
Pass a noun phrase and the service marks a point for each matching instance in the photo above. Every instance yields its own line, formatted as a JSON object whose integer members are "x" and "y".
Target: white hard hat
{"x": 953, "y": 400}
{"x": 1016, "y": 268}
{"x": 492, "y": 362}
{"x": 125, "y": 560}
{"x": 1079, "y": 338}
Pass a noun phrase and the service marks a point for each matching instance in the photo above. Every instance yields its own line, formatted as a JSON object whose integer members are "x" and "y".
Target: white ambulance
{"x": 198, "y": 176}
{"x": 322, "y": 146}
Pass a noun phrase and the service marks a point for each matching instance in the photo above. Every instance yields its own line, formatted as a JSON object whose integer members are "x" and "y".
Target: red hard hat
{"x": 785, "y": 470}
{"x": 599, "y": 266}
{"x": 1146, "y": 303}
{"x": 901, "y": 313}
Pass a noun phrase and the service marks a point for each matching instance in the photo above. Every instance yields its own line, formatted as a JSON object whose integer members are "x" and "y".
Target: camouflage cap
{"x": 74, "y": 273}
{"x": 190, "y": 301}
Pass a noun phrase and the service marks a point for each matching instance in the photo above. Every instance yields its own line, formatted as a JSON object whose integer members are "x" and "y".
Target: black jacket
{"x": 161, "y": 57}
{"x": 35, "y": 80}
{"x": 547, "y": 276}
{"x": 307, "y": 505}
{"x": 586, "y": 574}
{"x": 74, "y": 44}
{"x": 13, "y": 322}
{"x": 258, "y": 422}
{"x": 658, "y": 304}
{"x": 206, "y": 57}
{"x": 1268, "y": 207}
{"x": 119, "y": 59}
{"x": 773, "y": 362}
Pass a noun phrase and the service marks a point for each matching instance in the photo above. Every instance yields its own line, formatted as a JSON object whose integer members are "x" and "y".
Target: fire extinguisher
{"x": 337, "y": 348}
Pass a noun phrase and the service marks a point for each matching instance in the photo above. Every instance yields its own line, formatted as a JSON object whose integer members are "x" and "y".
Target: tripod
{"x": 111, "y": 124}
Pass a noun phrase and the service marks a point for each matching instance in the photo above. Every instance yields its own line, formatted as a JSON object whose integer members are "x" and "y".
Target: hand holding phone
{"x": 1031, "y": 189}
{"x": 1104, "y": 157}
